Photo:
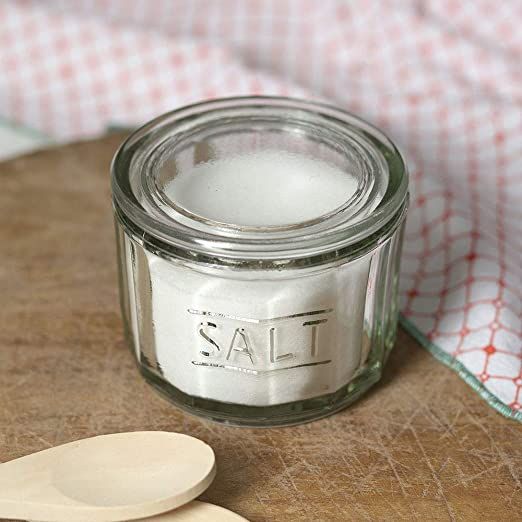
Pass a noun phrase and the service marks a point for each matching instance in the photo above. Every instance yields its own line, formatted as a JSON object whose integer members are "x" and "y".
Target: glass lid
{"x": 258, "y": 178}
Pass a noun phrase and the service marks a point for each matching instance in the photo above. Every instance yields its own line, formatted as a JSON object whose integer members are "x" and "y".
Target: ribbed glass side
{"x": 260, "y": 347}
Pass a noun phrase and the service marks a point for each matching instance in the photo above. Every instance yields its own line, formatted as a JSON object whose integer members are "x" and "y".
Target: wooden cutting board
{"x": 421, "y": 446}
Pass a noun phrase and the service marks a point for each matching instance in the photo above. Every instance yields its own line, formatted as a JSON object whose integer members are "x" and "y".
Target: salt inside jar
{"x": 259, "y": 243}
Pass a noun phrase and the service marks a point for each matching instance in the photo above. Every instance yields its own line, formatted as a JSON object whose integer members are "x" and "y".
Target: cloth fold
{"x": 442, "y": 77}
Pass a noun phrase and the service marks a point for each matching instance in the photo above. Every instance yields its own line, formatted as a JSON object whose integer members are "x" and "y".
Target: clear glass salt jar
{"x": 259, "y": 242}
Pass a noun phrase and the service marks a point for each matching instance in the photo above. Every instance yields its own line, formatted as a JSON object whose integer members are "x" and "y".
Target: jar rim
{"x": 334, "y": 233}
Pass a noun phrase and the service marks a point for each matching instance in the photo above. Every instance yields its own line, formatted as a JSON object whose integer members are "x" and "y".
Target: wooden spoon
{"x": 123, "y": 476}
{"x": 197, "y": 511}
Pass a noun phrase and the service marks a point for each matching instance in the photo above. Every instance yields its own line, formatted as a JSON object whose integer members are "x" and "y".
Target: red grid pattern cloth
{"x": 442, "y": 77}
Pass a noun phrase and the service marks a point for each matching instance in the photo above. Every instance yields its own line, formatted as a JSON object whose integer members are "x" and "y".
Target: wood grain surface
{"x": 421, "y": 446}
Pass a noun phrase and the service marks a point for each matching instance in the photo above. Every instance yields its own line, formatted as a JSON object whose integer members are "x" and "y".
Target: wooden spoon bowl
{"x": 123, "y": 476}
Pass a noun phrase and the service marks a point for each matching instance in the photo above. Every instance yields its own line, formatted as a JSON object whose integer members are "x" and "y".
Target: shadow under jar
{"x": 259, "y": 242}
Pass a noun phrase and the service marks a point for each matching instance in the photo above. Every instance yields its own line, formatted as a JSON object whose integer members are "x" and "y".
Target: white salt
{"x": 255, "y": 337}
{"x": 268, "y": 188}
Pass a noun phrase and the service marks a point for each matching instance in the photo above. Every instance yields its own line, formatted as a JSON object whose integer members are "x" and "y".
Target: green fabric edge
{"x": 26, "y": 131}
{"x": 460, "y": 370}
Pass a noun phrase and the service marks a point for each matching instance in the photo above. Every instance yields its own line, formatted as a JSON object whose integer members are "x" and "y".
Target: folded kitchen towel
{"x": 442, "y": 77}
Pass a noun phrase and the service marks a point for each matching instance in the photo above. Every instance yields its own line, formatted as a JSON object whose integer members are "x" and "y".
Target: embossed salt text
{"x": 233, "y": 347}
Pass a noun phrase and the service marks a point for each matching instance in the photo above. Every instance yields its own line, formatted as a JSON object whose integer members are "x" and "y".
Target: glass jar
{"x": 269, "y": 307}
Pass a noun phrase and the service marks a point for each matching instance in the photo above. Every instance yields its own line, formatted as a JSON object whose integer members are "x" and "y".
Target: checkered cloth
{"x": 442, "y": 77}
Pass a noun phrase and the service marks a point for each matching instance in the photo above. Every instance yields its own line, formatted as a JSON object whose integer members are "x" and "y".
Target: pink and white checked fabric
{"x": 443, "y": 77}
